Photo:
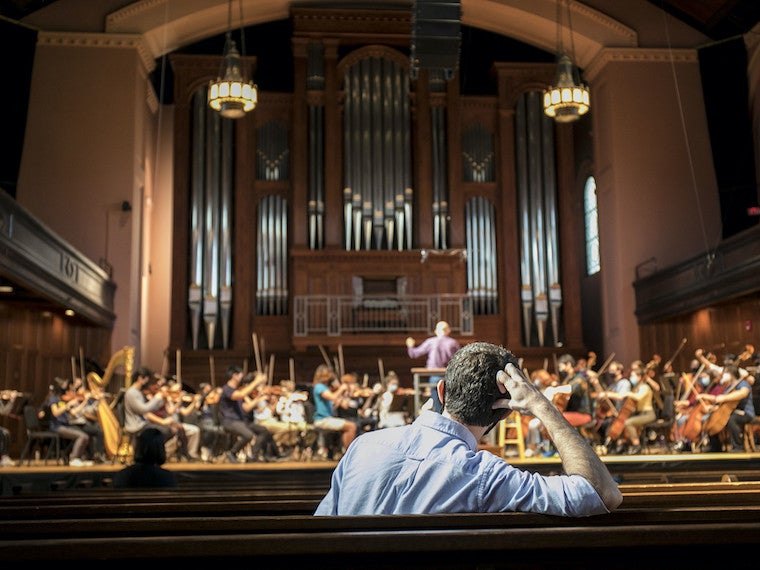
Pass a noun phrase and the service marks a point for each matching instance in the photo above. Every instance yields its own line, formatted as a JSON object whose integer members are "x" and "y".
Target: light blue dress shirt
{"x": 434, "y": 466}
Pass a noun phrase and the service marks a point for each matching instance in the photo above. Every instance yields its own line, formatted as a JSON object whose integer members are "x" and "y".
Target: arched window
{"x": 591, "y": 219}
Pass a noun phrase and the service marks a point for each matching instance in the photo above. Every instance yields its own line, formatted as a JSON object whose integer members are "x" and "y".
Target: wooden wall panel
{"x": 35, "y": 347}
{"x": 722, "y": 328}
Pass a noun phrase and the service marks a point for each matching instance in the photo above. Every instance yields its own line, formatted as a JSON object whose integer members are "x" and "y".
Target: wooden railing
{"x": 335, "y": 315}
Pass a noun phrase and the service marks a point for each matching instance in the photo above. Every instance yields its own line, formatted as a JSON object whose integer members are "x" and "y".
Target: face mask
{"x": 634, "y": 379}
{"x": 704, "y": 381}
{"x": 392, "y": 388}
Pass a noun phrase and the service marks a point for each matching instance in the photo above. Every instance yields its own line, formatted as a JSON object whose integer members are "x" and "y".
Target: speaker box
{"x": 436, "y": 35}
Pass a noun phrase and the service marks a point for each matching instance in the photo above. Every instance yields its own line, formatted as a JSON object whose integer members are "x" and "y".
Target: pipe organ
{"x": 366, "y": 173}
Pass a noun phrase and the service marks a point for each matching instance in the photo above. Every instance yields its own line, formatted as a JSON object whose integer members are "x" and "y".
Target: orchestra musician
{"x": 85, "y": 417}
{"x": 534, "y": 435}
{"x": 619, "y": 387}
{"x": 690, "y": 383}
{"x": 578, "y": 409}
{"x": 731, "y": 410}
{"x": 186, "y": 435}
{"x": 60, "y": 402}
{"x": 353, "y": 404}
{"x": 642, "y": 412}
{"x": 7, "y": 402}
{"x": 387, "y": 416}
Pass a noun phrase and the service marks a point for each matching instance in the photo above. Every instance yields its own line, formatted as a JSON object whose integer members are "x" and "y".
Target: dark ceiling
{"x": 717, "y": 19}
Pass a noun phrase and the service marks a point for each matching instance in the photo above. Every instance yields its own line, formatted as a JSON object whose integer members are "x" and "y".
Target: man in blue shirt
{"x": 434, "y": 466}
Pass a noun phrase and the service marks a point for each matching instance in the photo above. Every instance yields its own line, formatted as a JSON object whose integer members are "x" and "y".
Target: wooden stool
{"x": 749, "y": 436}
{"x": 512, "y": 421}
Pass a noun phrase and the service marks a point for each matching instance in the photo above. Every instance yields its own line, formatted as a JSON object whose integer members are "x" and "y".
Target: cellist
{"x": 643, "y": 413}
{"x": 619, "y": 387}
{"x": 732, "y": 410}
{"x": 691, "y": 383}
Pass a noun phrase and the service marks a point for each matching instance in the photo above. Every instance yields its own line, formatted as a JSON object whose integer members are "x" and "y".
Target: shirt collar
{"x": 438, "y": 422}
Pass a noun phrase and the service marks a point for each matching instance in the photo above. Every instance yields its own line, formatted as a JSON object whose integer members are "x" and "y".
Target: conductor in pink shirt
{"x": 439, "y": 349}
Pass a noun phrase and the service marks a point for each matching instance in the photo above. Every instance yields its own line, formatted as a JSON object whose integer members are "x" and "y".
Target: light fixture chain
{"x": 242, "y": 37}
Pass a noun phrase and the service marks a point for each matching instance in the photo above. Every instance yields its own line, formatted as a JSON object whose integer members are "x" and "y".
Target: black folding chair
{"x": 38, "y": 438}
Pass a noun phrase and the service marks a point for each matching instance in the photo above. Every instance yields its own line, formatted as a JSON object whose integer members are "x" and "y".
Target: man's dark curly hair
{"x": 470, "y": 383}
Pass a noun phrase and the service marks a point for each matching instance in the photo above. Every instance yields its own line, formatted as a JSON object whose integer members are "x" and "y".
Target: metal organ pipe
{"x": 194, "y": 294}
{"x": 552, "y": 240}
{"x": 211, "y": 237}
{"x": 540, "y": 293}
{"x": 521, "y": 165}
{"x": 225, "y": 229}
{"x": 376, "y": 145}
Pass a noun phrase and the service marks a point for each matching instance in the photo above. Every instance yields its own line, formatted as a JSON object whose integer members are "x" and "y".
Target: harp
{"x": 108, "y": 420}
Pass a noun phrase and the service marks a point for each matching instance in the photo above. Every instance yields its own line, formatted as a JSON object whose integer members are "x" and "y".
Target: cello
{"x": 628, "y": 407}
{"x": 692, "y": 428}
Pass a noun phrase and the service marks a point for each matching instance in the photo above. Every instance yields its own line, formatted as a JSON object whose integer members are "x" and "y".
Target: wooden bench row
{"x": 648, "y": 537}
{"x": 113, "y": 503}
{"x": 697, "y": 523}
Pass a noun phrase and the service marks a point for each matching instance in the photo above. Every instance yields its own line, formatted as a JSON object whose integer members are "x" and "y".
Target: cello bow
{"x": 595, "y": 380}
{"x": 670, "y": 360}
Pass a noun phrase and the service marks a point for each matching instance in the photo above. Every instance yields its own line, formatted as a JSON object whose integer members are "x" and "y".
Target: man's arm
{"x": 578, "y": 458}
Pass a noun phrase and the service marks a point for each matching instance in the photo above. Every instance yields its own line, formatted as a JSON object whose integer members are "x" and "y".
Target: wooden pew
{"x": 697, "y": 522}
{"x": 431, "y": 541}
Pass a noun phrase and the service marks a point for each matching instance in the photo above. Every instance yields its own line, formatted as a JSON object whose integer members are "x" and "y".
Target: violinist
{"x": 327, "y": 390}
{"x": 208, "y": 420}
{"x": 352, "y": 402}
{"x": 291, "y": 409}
{"x": 85, "y": 417}
{"x": 732, "y": 410}
{"x": 234, "y": 408}
{"x": 188, "y": 435}
{"x": 61, "y": 401}
{"x": 387, "y": 415}
{"x": 265, "y": 414}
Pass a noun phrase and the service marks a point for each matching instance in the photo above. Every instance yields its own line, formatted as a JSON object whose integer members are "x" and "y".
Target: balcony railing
{"x": 335, "y": 315}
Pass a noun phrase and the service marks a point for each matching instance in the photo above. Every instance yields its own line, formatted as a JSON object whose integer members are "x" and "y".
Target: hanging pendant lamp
{"x": 568, "y": 99}
{"x": 232, "y": 94}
